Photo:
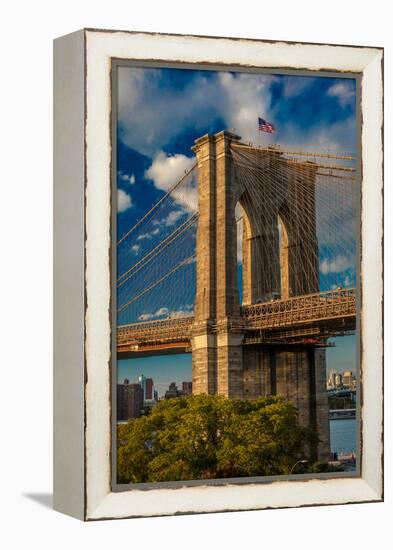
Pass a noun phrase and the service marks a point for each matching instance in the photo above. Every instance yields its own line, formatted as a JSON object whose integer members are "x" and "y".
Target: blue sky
{"x": 163, "y": 369}
{"x": 162, "y": 111}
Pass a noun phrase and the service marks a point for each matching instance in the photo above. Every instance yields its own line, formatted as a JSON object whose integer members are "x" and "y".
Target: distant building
{"x": 334, "y": 381}
{"x": 331, "y": 384}
{"x": 142, "y": 383}
{"x": 172, "y": 391}
{"x": 186, "y": 388}
{"x": 341, "y": 381}
{"x": 129, "y": 400}
{"x": 348, "y": 378}
{"x": 149, "y": 389}
{"x": 338, "y": 380}
{"x": 147, "y": 385}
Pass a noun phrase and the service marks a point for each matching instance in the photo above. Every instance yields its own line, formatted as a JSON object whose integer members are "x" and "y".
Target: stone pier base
{"x": 300, "y": 377}
{"x": 222, "y": 365}
{"x": 204, "y": 362}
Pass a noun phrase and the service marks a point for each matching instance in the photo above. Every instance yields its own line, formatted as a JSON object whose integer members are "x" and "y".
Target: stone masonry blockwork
{"x": 221, "y": 362}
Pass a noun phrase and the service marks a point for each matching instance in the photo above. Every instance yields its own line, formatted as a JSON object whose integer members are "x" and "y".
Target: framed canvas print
{"x": 218, "y": 274}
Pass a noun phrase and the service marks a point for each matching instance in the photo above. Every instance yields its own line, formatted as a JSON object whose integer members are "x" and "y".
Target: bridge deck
{"x": 310, "y": 308}
{"x": 321, "y": 315}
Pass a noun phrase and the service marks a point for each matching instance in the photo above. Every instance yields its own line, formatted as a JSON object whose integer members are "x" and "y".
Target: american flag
{"x": 265, "y": 126}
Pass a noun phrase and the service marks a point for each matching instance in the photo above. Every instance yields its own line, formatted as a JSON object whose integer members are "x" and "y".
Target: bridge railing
{"x": 302, "y": 309}
{"x": 180, "y": 326}
{"x": 298, "y": 310}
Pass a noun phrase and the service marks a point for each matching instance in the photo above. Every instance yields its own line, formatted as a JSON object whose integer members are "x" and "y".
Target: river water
{"x": 343, "y": 436}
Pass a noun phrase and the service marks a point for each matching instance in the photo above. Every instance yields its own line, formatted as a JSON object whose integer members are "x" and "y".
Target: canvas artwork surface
{"x": 218, "y": 274}
{"x": 236, "y": 273}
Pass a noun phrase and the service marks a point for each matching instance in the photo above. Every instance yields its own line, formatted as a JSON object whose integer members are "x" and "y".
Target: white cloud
{"x": 135, "y": 248}
{"x": 151, "y": 115}
{"x": 146, "y": 317}
{"x": 166, "y": 170}
{"x": 349, "y": 281}
{"x": 344, "y": 90}
{"x": 124, "y": 201}
{"x": 162, "y": 311}
{"x": 170, "y": 219}
{"x": 131, "y": 86}
{"x": 128, "y": 178}
{"x": 143, "y": 236}
{"x": 338, "y": 137}
{"x": 183, "y": 311}
{"x": 295, "y": 85}
{"x": 336, "y": 265}
{"x": 245, "y": 98}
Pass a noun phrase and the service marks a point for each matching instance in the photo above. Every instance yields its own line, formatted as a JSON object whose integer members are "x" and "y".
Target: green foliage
{"x": 202, "y": 437}
{"x": 324, "y": 467}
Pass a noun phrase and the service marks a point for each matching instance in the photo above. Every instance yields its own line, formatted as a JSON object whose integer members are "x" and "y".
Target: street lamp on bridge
{"x": 296, "y": 463}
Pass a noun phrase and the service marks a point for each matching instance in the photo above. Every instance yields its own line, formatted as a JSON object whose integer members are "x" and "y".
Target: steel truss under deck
{"x": 310, "y": 318}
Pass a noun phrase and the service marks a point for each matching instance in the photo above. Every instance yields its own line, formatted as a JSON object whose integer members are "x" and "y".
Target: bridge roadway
{"x": 300, "y": 319}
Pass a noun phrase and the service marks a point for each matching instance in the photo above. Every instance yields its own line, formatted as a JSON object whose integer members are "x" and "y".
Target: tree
{"x": 206, "y": 436}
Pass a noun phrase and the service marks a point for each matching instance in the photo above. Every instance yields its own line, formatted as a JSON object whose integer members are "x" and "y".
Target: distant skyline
{"x": 344, "y": 355}
{"x": 164, "y": 369}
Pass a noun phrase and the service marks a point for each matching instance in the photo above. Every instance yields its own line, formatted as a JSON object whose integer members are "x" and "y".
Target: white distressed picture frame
{"x": 82, "y": 338}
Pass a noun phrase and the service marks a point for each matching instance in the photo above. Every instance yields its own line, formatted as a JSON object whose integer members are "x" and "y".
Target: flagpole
{"x": 268, "y": 127}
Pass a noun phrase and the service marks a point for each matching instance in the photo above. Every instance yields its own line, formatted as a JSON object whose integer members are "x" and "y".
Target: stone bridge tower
{"x": 222, "y": 364}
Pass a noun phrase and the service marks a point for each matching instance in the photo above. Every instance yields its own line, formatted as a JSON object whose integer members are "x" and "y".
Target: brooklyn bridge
{"x": 241, "y": 263}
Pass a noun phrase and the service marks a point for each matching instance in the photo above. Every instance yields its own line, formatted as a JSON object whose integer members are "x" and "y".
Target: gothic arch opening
{"x": 243, "y": 255}
{"x": 259, "y": 249}
{"x": 284, "y": 248}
